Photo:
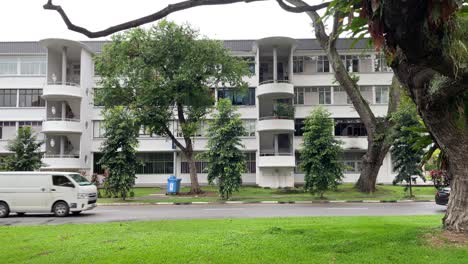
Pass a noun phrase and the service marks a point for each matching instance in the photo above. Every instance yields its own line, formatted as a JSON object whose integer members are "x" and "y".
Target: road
{"x": 161, "y": 212}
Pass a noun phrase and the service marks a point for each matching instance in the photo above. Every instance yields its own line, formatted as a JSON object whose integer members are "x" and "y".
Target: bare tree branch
{"x": 302, "y": 9}
{"x": 140, "y": 21}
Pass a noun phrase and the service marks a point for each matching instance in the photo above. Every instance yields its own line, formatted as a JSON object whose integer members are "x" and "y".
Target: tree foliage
{"x": 320, "y": 153}
{"x": 407, "y": 158}
{"x": 225, "y": 158}
{"x": 119, "y": 151}
{"x": 167, "y": 74}
{"x": 26, "y": 151}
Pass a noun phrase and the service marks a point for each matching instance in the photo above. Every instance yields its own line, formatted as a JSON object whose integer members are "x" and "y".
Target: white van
{"x": 45, "y": 192}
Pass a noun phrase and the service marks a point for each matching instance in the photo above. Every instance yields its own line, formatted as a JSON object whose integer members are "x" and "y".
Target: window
{"x": 298, "y": 127}
{"x": 250, "y": 63}
{"x": 250, "y": 128}
{"x": 298, "y": 64}
{"x": 250, "y": 160}
{"x": 380, "y": 64}
{"x": 237, "y": 96}
{"x": 33, "y": 66}
{"x": 97, "y": 167}
{"x": 381, "y": 94}
{"x": 8, "y": 66}
{"x": 201, "y": 131}
{"x": 62, "y": 181}
{"x": 352, "y": 162}
{"x": 340, "y": 97}
{"x": 323, "y": 64}
{"x": 7, "y": 129}
{"x": 96, "y": 95}
{"x": 30, "y": 98}
{"x": 156, "y": 163}
{"x": 299, "y": 95}
{"x": 351, "y": 62}
{"x": 324, "y": 95}
{"x": 351, "y": 127}
{"x": 298, "y": 169}
{"x": 8, "y": 97}
{"x": 200, "y": 165}
{"x": 366, "y": 93}
{"x": 99, "y": 129}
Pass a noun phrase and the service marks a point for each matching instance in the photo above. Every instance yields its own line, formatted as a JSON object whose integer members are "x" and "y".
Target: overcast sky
{"x": 23, "y": 20}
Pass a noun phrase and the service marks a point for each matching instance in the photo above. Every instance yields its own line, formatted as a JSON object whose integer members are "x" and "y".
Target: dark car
{"x": 442, "y": 196}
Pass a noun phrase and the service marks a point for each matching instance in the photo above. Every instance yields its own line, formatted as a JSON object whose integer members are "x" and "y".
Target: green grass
{"x": 252, "y": 194}
{"x": 399, "y": 239}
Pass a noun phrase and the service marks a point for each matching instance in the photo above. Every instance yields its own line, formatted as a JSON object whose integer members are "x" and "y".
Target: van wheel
{"x": 76, "y": 212}
{"x": 4, "y": 210}
{"x": 61, "y": 209}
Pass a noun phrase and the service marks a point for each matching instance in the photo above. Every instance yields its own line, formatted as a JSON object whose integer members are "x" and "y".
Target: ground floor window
{"x": 353, "y": 162}
{"x": 155, "y": 163}
{"x": 201, "y": 166}
{"x": 250, "y": 158}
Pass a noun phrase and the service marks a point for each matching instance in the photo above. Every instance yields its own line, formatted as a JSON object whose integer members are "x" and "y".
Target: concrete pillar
{"x": 175, "y": 163}
{"x": 62, "y": 146}
{"x": 257, "y": 66}
{"x": 275, "y": 65}
{"x": 64, "y": 64}
{"x": 64, "y": 109}
{"x": 276, "y": 144}
{"x": 291, "y": 69}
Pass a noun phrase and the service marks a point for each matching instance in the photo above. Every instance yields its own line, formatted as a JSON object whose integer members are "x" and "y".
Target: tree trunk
{"x": 456, "y": 216}
{"x": 195, "y": 186}
{"x": 371, "y": 163}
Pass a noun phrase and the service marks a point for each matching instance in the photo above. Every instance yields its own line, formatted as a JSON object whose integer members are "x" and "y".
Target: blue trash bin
{"x": 173, "y": 185}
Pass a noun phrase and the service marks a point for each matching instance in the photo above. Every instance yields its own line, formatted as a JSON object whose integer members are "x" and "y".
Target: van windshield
{"x": 82, "y": 181}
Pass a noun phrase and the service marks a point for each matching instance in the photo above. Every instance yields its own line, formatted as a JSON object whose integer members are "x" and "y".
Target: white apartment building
{"x": 49, "y": 85}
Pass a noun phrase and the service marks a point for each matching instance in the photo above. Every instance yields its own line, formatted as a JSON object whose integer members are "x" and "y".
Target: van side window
{"x": 59, "y": 180}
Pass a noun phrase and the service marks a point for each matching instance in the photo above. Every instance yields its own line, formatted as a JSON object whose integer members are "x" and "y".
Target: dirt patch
{"x": 447, "y": 238}
{"x": 204, "y": 194}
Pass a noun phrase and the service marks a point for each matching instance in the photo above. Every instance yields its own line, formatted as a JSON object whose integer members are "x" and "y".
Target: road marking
{"x": 222, "y": 209}
{"x": 347, "y": 208}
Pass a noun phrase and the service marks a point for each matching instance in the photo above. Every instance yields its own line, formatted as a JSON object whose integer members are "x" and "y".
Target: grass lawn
{"x": 252, "y": 194}
{"x": 402, "y": 239}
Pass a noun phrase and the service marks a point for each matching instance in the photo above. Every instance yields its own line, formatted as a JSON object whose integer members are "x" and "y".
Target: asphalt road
{"x": 160, "y": 212}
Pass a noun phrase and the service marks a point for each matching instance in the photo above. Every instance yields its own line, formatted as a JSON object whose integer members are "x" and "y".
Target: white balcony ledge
{"x": 275, "y": 88}
{"x": 275, "y": 125}
{"x": 62, "y": 126}
{"x": 61, "y": 90}
{"x": 277, "y": 161}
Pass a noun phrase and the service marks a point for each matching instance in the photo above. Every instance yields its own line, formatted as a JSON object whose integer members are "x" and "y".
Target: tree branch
{"x": 140, "y": 21}
{"x": 174, "y": 139}
{"x": 303, "y": 8}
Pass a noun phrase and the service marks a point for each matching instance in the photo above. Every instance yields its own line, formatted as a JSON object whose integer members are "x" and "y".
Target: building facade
{"x": 49, "y": 85}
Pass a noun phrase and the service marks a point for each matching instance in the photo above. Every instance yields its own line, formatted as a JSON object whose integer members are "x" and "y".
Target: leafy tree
{"x": 119, "y": 151}
{"x": 26, "y": 152}
{"x": 226, "y": 160}
{"x": 407, "y": 158}
{"x": 320, "y": 153}
{"x": 166, "y": 75}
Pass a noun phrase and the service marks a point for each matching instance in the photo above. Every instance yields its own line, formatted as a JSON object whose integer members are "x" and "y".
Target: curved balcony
{"x": 61, "y": 90}
{"x": 278, "y": 160}
{"x": 282, "y": 87}
{"x": 61, "y": 161}
{"x": 67, "y": 125}
{"x": 275, "y": 123}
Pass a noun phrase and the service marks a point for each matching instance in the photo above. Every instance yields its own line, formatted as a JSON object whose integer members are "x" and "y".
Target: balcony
{"x": 278, "y": 160}
{"x": 275, "y": 124}
{"x": 279, "y": 87}
{"x": 61, "y": 125}
{"x": 61, "y": 90}
{"x": 57, "y": 161}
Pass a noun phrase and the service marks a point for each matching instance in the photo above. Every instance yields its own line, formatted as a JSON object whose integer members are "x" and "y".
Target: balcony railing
{"x": 272, "y": 153}
{"x": 62, "y": 119}
{"x": 62, "y": 156}
{"x": 63, "y": 83}
{"x": 273, "y": 81}
{"x": 275, "y": 117}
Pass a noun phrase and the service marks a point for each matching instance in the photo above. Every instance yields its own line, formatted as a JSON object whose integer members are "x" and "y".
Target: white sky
{"x": 23, "y": 20}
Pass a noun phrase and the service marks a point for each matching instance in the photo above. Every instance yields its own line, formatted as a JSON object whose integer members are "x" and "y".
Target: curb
{"x": 267, "y": 202}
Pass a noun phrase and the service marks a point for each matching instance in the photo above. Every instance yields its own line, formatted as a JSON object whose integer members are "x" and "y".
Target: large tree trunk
{"x": 195, "y": 186}
{"x": 371, "y": 163}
